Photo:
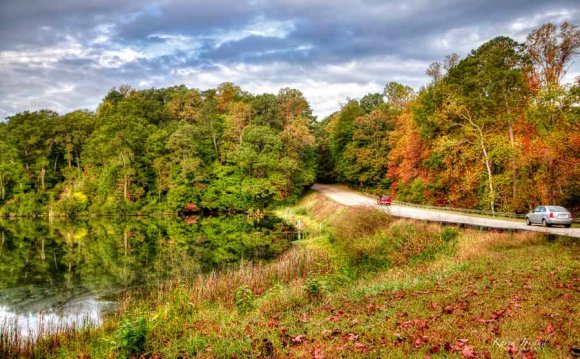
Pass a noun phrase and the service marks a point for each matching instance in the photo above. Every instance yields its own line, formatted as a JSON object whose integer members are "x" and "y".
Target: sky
{"x": 65, "y": 55}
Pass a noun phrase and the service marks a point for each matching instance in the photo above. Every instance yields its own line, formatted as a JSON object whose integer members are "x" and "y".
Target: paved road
{"x": 351, "y": 198}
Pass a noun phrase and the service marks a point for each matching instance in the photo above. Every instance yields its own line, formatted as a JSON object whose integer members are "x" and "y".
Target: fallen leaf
{"x": 298, "y": 339}
{"x": 359, "y": 346}
{"x": 317, "y": 353}
{"x": 352, "y": 336}
{"x": 468, "y": 352}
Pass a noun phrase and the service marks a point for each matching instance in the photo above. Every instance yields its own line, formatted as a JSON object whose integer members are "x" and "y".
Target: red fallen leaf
{"x": 273, "y": 324}
{"x": 528, "y": 354}
{"x": 427, "y": 356}
{"x": 359, "y": 346}
{"x": 298, "y": 339}
{"x": 283, "y": 330}
{"x": 434, "y": 350}
{"x": 468, "y": 352}
{"x": 399, "y": 294}
{"x": 414, "y": 323}
{"x": 420, "y": 342}
{"x": 434, "y": 306}
{"x": 509, "y": 283}
{"x": 550, "y": 329}
{"x": 498, "y": 314}
{"x": 352, "y": 336}
{"x": 537, "y": 268}
{"x": 511, "y": 349}
{"x": 332, "y": 318}
{"x": 457, "y": 346}
{"x": 317, "y": 353}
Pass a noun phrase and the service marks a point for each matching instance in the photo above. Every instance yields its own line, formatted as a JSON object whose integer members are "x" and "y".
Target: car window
{"x": 542, "y": 209}
{"x": 537, "y": 209}
{"x": 557, "y": 209}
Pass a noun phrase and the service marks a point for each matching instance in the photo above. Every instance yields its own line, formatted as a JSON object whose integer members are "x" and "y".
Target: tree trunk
{"x": 479, "y": 129}
{"x": 42, "y": 175}
{"x": 513, "y": 146}
{"x": 2, "y": 188}
{"x": 489, "y": 175}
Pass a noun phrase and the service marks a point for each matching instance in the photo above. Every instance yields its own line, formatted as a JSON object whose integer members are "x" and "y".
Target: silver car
{"x": 549, "y": 215}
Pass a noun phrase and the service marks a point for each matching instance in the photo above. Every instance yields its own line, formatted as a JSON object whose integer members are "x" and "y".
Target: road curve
{"x": 351, "y": 198}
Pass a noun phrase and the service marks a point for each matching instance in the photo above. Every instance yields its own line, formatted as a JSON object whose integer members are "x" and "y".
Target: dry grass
{"x": 476, "y": 244}
{"x": 47, "y": 337}
{"x": 220, "y": 286}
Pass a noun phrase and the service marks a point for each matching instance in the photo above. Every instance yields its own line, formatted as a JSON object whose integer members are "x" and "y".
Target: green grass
{"x": 361, "y": 285}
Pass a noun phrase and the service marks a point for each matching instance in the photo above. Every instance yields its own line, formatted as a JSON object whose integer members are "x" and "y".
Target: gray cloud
{"x": 67, "y": 54}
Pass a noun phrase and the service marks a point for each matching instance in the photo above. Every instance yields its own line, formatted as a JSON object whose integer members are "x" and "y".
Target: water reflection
{"x": 70, "y": 272}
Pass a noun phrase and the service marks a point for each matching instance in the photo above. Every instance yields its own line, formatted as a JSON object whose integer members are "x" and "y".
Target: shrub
{"x": 449, "y": 233}
{"x": 301, "y": 211}
{"x": 131, "y": 337}
{"x": 313, "y": 286}
{"x": 244, "y": 299}
{"x": 358, "y": 222}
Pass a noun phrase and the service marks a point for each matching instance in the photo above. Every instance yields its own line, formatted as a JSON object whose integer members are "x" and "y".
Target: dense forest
{"x": 174, "y": 149}
{"x": 498, "y": 130}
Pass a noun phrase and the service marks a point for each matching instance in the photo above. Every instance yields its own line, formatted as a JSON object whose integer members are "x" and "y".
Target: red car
{"x": 384, "y": 200}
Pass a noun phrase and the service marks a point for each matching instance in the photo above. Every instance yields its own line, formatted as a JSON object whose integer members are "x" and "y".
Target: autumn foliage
{"x": 497, "y": 130}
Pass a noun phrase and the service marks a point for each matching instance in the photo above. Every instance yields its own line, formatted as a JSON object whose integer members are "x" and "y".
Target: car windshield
{"x": 557, "y": 209}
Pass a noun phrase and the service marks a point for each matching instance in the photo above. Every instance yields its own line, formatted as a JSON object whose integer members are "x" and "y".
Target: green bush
{"x": 449, "y": 233}
{"x": 131, "y": 337}
{"x": 314, "y": 286}
{"x": 244, "y": 299}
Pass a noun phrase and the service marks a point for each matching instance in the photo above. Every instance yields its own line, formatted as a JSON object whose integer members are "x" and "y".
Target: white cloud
{"x": 258, "y": 27}
{"x": 324, "y": 86}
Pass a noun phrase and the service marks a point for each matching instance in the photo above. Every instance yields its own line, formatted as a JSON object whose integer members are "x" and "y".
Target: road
{"x": 351, "y": 198}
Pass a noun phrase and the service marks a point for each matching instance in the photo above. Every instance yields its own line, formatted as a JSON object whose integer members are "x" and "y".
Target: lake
{"x": 72, "y": 272}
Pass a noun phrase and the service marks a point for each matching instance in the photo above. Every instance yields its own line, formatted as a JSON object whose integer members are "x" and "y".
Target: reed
{"x": 20, "y": 341}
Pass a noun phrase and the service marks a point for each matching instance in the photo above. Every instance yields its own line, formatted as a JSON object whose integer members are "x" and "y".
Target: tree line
{"x": 175, "y": 149}
{"x": 497, "y": 130}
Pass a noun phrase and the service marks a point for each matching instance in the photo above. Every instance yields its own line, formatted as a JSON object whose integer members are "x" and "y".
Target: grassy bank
{"x": 360, "y": 284}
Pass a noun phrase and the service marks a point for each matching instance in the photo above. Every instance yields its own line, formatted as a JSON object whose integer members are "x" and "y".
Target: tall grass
{"x": 220, "y": 286}
{"x": 374, "y": 239}
{"x": 17, "y": 341}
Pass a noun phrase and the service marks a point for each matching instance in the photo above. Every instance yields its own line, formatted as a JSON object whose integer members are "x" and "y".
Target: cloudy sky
{"x": 66, "y": 54}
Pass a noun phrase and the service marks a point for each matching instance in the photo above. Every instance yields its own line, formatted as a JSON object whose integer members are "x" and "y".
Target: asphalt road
{"x": 351, "y": 198}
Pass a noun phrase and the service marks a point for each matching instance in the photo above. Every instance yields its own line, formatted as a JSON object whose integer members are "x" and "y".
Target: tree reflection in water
{"x": 70, "y": 272}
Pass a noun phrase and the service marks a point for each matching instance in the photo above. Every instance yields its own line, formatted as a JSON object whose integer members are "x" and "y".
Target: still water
{"x": 72, "y": 272}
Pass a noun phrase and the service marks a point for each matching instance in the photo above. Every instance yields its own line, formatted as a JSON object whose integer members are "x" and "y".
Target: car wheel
{"x": 528, "y": 221}
{"x": 544, "y": 223}
{"x": 567, "y": 225}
